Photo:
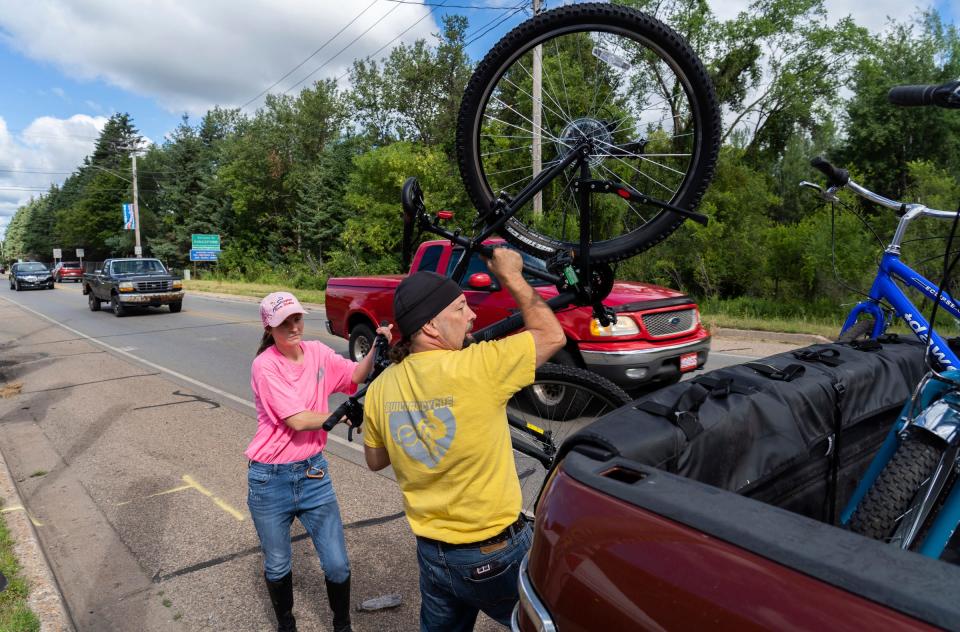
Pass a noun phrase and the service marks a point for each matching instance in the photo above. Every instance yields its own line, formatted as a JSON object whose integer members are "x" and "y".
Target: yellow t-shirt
{"x": 441, "y": 415}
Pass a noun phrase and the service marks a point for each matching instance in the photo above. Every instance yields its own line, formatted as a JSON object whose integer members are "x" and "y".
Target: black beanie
{"x": 419, "y": 298}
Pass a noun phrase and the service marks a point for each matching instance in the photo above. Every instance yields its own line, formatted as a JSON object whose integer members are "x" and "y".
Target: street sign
{"x": 57, "y": 254}
{"x": 80, "y": 252}
{"x": 137, "y": 250}
{"x": 205, "y": 242}
{"x": 204, "y": 255}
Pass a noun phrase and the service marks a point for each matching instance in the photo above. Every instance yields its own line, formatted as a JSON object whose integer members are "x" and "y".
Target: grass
{"x": 15, "y": 616}
{"x": 258, "y": 290}
{"x": 38, "y": 473}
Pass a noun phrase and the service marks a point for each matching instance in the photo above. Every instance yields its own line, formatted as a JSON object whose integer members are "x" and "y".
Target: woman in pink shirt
{"x": 288, "y": 478}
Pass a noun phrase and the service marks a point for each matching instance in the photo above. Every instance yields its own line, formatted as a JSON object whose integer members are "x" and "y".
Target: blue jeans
{"x": 451, "y": 593}
{"x": 279, "y": 493}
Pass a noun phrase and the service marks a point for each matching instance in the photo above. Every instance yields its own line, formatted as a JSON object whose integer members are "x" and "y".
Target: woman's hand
{"x": 386, "y": 331}
{"x": 365, "y": 366}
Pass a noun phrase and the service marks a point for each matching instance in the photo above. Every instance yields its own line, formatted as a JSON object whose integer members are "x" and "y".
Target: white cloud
{"x": 53, "y": 147}
{"x": 191, "y": 55}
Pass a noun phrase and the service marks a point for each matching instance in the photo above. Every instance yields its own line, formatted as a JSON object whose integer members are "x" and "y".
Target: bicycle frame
{"x": 937, "y": 418}
{"x": 886, "y": 289}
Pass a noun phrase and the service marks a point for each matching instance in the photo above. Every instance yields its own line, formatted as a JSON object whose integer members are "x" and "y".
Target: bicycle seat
{"x": 411, "y": 197}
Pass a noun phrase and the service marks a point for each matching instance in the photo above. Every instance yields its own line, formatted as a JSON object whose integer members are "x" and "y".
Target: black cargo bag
{"x": 796, "y": 429}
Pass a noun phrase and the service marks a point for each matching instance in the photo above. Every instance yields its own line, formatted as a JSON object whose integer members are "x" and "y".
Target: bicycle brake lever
{"x": 824, "y": 194}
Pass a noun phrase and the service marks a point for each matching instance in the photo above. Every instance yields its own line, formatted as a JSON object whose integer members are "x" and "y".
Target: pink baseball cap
{"x": 276, "y": 307}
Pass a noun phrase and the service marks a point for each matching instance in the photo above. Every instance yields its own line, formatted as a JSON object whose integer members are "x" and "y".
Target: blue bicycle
{"x": 908, "y": 496}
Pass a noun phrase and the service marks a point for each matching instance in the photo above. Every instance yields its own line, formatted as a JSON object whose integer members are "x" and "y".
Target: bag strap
{"x": 866, "y": 345}
{"x": 825, "y": 356}
{"x": 786, "y": 374}
{"x": 722, "y": 386}
{"x": 683, "y": 414}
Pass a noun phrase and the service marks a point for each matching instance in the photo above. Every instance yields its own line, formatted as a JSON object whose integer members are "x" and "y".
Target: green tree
{"x": 881, "y": 139}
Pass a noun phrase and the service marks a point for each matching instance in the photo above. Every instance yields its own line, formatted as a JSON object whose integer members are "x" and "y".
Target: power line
{"x": 402, "y": 33}
{"x": 292, "y": 70}
{"x": 517, "y": 10}
{"x": 395, "y": 7}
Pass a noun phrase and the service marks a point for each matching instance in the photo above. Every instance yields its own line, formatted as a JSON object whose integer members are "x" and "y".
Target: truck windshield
{"x": 139, "y": 266}
{"x": 477, "y": 265}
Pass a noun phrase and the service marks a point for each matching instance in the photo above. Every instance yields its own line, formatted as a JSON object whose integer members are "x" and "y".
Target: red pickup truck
{"x": 657, "y": 337}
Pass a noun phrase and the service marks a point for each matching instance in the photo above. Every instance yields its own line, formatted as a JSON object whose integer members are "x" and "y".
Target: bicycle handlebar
{"x": 835, "y": 177}
{"x": 944, "y": 95}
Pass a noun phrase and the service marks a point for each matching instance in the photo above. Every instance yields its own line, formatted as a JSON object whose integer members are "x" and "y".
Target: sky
{"x": 67, "y": 66}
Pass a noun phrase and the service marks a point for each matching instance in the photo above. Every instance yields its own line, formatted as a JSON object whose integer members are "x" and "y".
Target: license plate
{"x": 688, "y": 362}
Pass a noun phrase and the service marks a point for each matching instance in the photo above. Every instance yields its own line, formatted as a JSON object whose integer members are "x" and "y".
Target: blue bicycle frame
{"x": 884, "y": 288}
{"x": 942, "y": 420}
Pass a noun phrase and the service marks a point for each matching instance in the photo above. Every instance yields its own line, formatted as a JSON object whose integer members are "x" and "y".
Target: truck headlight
{"x": 177, "y": 285}
{"x": 625, "y": 326}
{"x": 126, "y": 286}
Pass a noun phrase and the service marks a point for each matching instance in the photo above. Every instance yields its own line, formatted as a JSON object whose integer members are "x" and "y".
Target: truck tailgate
{"x": 677, "y": 554}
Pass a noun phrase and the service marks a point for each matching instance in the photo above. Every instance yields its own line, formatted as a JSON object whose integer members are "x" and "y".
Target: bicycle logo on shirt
{"x": 424, "y": 435}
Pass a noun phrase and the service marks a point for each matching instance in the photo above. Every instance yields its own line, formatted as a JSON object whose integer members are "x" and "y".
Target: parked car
{"x": 68, "y": 271}
{"x": 657, "y": 338}
{"x": 129, "y": 283}
{"x": 30, "y": 274}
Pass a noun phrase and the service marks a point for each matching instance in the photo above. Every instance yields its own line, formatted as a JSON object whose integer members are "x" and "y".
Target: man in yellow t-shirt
{"x": 439, "y": 417}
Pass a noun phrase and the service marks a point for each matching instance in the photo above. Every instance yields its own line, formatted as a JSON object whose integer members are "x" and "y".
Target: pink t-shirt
{"x": 282, "y": 388}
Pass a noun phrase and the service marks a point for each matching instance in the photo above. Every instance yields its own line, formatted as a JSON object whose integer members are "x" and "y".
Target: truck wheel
{"x": 176, "y": 307}
{"x": 562, "y": 393}
{"x": 361, "y": 341}
{"x": 93, "y": 302}
{"x": 117, "y": 306}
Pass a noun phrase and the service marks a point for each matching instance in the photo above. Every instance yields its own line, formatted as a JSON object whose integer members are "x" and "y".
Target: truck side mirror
{"x": 480, "y": 281}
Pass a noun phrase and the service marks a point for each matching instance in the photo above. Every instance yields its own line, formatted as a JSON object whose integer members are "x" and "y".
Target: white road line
{"x": 163, "y": 369}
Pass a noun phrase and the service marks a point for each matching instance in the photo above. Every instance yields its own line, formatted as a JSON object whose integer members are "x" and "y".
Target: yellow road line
{"x": 168, "y": 491}
{"x": 35, "y": 522}
{"x": 222, "y": 504}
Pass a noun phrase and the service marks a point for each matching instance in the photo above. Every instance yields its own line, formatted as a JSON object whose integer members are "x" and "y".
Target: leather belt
{"x": 511, "y": 530}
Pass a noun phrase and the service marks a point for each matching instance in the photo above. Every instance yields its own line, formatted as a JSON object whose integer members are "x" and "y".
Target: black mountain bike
{"x": 587, "y": 134}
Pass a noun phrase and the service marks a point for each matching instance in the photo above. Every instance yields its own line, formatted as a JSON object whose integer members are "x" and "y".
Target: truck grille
{"x": 154, "y": 286}
{"x": 669, "y": 323}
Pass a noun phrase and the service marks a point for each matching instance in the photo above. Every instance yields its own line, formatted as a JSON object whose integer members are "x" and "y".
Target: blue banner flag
{"x": 129, "y": 223}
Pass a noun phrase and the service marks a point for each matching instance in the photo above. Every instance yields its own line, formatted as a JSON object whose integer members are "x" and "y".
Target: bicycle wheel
{"x": 539, "y": 425}
{"x": 890, "y": 497}
{"x": 861, "y": 330}
{"x": 610, "y": 74}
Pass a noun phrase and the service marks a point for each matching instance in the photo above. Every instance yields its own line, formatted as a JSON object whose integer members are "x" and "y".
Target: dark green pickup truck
{"x": 128, "y": 283}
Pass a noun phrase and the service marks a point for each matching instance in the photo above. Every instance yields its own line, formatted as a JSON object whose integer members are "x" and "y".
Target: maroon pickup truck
{"x": 658, "y": 335}
{"x": 709, "y": 505}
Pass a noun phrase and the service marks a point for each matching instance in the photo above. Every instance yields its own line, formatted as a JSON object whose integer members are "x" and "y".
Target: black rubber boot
{"x": 281, "y": 596}
{"x": 339, "y": 596}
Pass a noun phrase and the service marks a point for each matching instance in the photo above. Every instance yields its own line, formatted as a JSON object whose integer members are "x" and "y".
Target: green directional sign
{"x": 205, "y": 242}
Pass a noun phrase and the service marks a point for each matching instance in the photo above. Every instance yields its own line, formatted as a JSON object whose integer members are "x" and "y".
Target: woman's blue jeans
{"x": 277, "y": 494}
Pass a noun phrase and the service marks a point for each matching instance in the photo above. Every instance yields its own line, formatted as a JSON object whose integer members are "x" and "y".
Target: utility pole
{"x": 136, "y": 208}
{"x": 537, "y": 81}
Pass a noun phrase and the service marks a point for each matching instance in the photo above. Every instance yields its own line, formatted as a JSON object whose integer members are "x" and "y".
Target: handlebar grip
{"x": 910, "y": 96}
{"x": 333, "y": 419}
{"x": 835, "y": 177}
{"x": 945, "y": 95}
